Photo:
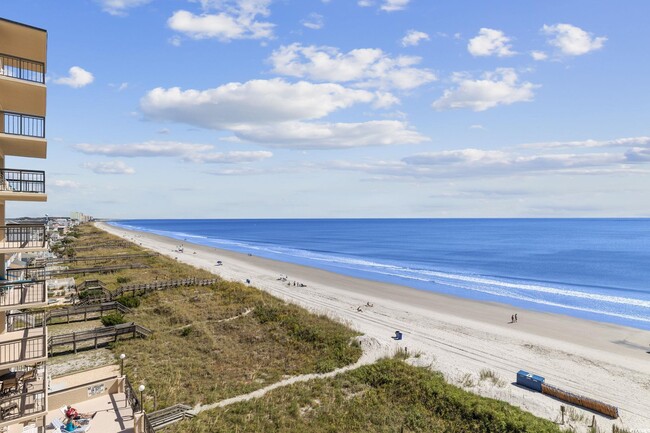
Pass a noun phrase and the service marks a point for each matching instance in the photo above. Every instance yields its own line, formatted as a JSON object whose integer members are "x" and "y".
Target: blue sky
{"x": 344, "y": 108}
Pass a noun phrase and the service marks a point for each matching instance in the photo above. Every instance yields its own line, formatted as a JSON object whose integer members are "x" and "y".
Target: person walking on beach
{"x": 512, "y": 319}
{"x": 515, "y": 317}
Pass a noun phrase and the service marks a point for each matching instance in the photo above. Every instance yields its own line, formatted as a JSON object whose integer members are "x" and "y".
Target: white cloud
{"x": 119, "y": 7}
{"x": 642, "y": 141}
{"x": 314, "y": 22}
{"x": 365, "y": 67}
{"x": 229, "y": 157}
{"x": 65, "y": 184}
{"x": 538, "y": 55}
{"x": 477, "y": 126}
{"x": 111, "y": 167}
{"x": 303, "y": 135}
{"x": 77, "y": 77}
{"x": 468, "y": 163}
{"x": 501, "y": 87}
{"x": 232, "y": 19}
{"x": 255, "y": 102}
{"x": 413, "y": 38}
{"x": 572, "y": 40}
{"x": 188, "y": 152}
{"x": 490, "y": 42}
{"x": 276, "y": 113}
{"x": 386, "y": 5}
{"x": 146, "y": 149}
{"x": 394, "y": 5}
{"x": 119, "y": 87}
{"x": 521, "y": 160}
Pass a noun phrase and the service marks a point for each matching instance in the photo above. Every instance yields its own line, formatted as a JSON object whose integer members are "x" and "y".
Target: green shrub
{"x": 123, "y": 280}
{"x": 113, "y": 319}
{"x": 129, "y": 301}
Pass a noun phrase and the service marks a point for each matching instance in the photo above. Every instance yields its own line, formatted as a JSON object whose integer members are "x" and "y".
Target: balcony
{"x": 22, "y": 134}
{"x": 23, "y": 124}
{"x": 22, "y": 238}
{"x": 23, "y": 394}
{"x": 22, "y": 69}
{"x": 23, "y": 288}
{"x": 22, "y": 185}
{"x": 21, "y": 347}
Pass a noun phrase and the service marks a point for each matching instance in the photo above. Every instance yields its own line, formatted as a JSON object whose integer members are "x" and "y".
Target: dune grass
{"x": 388, "y": 396}
{"x": 196, "y": 354}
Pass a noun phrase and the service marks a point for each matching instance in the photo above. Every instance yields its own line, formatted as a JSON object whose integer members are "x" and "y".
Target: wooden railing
{"x": 142, "y": 289}
{"x": 100, "y": 258}
{"x": 105, "y": 245}
{"x": 98, "y": 269}
{"x": 85, "y": 310}
{"x": 97, "y": 337}
{"x": 164, "y": 417}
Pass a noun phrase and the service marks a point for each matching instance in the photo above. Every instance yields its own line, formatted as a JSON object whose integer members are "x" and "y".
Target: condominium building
{"x": 23, "y": 334}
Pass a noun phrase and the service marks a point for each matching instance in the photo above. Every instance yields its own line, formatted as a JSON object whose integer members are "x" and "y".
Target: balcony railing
{"x": 22, "y": 236}
{"x": 22, "y": 405}
{"x": 22, "y": 294}
{"x": 26, "y": 320}
{"x": 23, "y": 349}
{"x": 23, "y": 124}
{"x": 23, "y": 69}
{"x": 29, "y": 274}
{"x": 13, "y": 180}
{"x": 131, "y": 396}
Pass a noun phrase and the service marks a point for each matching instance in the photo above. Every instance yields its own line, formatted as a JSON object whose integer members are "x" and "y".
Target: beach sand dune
{"x": 456, "y": 336}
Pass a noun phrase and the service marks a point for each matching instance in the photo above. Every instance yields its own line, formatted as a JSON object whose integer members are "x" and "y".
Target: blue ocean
{"x": 597, "y": 269}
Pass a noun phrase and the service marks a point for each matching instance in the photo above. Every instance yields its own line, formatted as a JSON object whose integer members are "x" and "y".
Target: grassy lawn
{"x": 384, "y": 397}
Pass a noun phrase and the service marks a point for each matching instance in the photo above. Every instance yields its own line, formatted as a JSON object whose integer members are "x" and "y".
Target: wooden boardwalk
{"x": 104, "y": 245}
{"x": 80, "y": 313}
{"x": 94, "y": 338}
{"x": 137, "y": 289}
{"x": 59, "y": 260}
{"x": 97, "y": 269}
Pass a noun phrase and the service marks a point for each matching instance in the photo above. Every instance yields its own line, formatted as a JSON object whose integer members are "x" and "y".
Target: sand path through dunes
{"x": 459, "y": 337}
{"x": 373, "y": 350}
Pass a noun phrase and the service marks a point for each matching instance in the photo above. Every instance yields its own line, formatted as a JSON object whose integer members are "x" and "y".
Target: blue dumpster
{"x": 529, "y": 380}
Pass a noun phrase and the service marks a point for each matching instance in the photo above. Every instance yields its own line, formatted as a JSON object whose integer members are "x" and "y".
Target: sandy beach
{"x": 456, "y": 336}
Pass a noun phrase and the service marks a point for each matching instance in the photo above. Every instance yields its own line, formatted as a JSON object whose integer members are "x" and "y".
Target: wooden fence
{"x": 137, "y": 289}
{"x": 58, "y": 260}
{"x": 105, "y": 245}
{"x": 95, "y": 337}
{"x": 98, "y": 269}
{"x": 578, "y": 400}
{"x": 85, "y": 312}
{"x": 165, "y": 417}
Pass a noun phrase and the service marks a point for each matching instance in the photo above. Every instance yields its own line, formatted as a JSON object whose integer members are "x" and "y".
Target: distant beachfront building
{"x": 23, "y": 334}
{"x": 80, "y": 217}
